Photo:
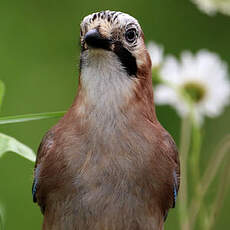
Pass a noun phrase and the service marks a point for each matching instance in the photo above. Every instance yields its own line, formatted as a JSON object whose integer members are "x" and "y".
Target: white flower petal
{"x": 164, "y": 94}
{"x": 212, "y": 6}
{"x": 170, "y": 71}
{"x": 204, "y": 69}
{"x": 156, "y": 53}
{"x": 167, "y": 95}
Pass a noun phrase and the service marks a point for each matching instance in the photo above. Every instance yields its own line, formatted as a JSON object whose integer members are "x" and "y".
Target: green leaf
{"x": 2, "y": 91}
{"x": 10, "y": 144}
{"x": 30, "y": 117}
{"x": 1, "y": 217}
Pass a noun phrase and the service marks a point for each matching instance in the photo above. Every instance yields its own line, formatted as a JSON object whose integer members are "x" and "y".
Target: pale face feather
{"x": 113, "y": 25}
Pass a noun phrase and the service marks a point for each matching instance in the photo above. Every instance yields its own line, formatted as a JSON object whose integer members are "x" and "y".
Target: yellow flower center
{"x": 195, "y": 91}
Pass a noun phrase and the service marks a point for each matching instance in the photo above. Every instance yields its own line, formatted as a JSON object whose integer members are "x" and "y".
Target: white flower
{"x": 211, "y": 7}
{"x": 203, "y": 77}
{"x": 156, "y": 54}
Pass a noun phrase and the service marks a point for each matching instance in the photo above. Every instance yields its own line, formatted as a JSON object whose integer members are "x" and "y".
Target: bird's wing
{"x": 176, "y": 172}
{"x": 172, "y": 154}
{"x": 43, "y": 151}
{"x": 175, "y": 187}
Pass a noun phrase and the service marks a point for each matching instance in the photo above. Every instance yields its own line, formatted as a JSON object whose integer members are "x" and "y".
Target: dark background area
{"x": 39, "y": 55}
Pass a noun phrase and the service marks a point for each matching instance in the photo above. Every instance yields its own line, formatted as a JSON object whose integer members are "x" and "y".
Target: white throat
{"x": 105, "y": 81}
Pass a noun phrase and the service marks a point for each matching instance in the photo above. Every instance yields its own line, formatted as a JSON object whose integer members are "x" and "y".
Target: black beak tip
{"x": 91, "y": 36}
{"x": 94, "y": 40}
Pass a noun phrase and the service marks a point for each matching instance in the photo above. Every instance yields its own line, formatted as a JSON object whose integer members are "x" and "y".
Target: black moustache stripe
{"x": 126, "y": 58}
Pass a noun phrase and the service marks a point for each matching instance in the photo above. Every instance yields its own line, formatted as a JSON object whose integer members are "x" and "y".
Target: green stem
{"x": 195, "y": 159}
{"x": 1, "y": 219}
{"x": 219, "y": 200}
{"x": 209, "y": 175}
{"x": 30, "y": 117}
{"x": 195, "y": 154}
{"x": 184, "y": 149}
{"x": 2, "y": 92}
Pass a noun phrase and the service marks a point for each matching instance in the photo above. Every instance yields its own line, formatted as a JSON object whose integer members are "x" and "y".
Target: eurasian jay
{"x": 108, "y": 164}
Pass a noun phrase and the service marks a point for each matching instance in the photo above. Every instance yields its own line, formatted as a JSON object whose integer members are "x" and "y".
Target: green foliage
{"x": 10, "y": 144}
{"x": 2, "y": 91}
{"x": 30, "y": 117}
{"x": 1, "y": 218}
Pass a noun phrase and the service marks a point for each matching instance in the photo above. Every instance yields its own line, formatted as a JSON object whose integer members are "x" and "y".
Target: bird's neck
{"x": 104, "y": 83}
{"x": 106, "y": 93}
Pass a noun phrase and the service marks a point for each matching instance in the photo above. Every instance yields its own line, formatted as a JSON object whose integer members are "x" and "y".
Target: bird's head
{"x": 117, "y": 33}
{"x": 114, "y": 59}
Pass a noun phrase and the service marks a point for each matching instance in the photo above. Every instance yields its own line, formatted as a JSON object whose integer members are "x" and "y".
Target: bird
{"x": 108, "y": 164}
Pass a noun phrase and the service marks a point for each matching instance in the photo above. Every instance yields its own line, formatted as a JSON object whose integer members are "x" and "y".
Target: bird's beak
{"x": 95, "y": 40}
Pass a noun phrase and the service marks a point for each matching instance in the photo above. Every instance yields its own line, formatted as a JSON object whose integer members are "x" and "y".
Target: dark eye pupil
{"x": 130, "y": 35}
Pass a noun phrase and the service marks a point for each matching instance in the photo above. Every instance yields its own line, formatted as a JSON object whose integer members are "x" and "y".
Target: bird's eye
{"x": 131, "y": 35}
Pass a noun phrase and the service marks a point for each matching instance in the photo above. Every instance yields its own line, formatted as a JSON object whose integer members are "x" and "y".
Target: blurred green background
{"x": 39, "y": 55}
